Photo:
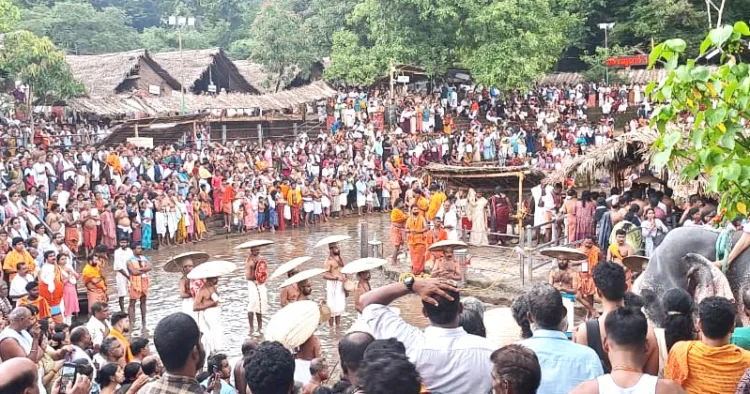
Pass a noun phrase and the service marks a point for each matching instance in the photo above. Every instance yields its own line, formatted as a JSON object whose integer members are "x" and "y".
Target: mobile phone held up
{"x": 68, "y": 376}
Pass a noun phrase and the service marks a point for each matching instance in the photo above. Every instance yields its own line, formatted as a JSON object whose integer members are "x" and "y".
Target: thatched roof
{"x": 628, "y": 150}
{"x": 486, "y": 177}
{"x": 254, "y": 75}
{"x": 103, "y": 74}
{"x": 138, "y": 103}
{"x": 190, "y": 67}
{"x": 639, "y": 76}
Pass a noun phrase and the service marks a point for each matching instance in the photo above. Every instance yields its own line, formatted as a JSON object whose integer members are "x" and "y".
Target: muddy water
{"x": 164, "y": 296}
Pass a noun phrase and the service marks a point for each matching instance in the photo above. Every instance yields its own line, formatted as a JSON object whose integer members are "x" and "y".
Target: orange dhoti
{"x": 89, "y": 237}
{"x": 95, "y": 292}
{"x": 417, "y": 254}
{"x": 397, "y": 236}
{"x": 72, "y": 236}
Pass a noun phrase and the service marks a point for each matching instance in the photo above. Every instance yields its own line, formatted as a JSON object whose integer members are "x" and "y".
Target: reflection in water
{"x": 164, "y": 295}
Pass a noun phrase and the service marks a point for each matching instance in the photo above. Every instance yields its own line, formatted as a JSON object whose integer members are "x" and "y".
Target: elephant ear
{"x": 699, "y": 276}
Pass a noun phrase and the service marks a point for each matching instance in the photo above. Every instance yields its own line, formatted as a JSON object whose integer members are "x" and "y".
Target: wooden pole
{"x": 136, "y": 130}
{"x": 520, "y": 205}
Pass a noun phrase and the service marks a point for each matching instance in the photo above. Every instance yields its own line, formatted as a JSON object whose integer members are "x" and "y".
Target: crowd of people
{"x": 66, "y": 200}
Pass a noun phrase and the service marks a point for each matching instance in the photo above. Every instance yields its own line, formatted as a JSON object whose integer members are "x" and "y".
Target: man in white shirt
{"x": 98, "y": 324}
{"x": 19, "y": 282}
{"x": 80, "y": 340}
{"x": 448, "y": 359}
{"x": 122, "y": 255}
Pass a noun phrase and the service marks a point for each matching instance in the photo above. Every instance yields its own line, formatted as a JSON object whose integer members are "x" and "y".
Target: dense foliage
{"x": 507, "y": 43}
{"x": 716, "y": 145}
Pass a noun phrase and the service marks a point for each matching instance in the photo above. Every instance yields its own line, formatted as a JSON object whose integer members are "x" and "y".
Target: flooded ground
{"x": 164, "y": 296}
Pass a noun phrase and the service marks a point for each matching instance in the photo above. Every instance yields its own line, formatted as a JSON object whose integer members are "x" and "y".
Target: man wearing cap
{"x": 17, "y": 255}
{"x": 256, "y": 273}
{"x": 138, "y": 269}
{"x": 335, "y": 296}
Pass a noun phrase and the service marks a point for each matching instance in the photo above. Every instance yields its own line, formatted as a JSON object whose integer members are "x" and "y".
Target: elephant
{"x": 684, "y": 260}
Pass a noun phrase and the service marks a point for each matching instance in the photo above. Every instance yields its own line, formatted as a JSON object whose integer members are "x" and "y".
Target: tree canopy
{"x": 715, "y": 144}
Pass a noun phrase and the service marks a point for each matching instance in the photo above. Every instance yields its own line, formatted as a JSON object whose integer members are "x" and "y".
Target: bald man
{"x": 351, "y": 353}
{"x": 19, "y": 375}
{"x": 15, "y": 340}
{"x": 238, "y": 371}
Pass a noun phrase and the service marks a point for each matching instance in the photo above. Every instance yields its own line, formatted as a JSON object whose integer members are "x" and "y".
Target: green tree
{"x": 351, "y": 63}
{"x": 81, "y": 29}
{"x": 716, "y": 145}
{"x": 163, "y": 39}
{"x": 283, "y": 52}
{"x": 596, "y": 62}
{"x": 511, "y": 43}
{"x": 35, "y": 61}
{"x": 9, "y": 15}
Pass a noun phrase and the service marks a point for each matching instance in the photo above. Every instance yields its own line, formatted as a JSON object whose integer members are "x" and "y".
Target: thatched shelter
{"x": 255, "y": 76}
{"x": 639, "y": 76}
{"x": 137, "y": 103}
{"x": 486, "y": 177}
{"x": 627, "y": 151}
{"x": 199, "y": 69}
{"x": 122, "y": 72}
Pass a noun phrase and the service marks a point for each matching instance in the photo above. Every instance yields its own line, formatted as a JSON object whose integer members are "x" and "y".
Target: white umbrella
{"x": 294, "y": 324}
{"x": 254, "y": 243}
{"x": 175, "y": 263}
{"x": 212, "y": 269}
{"x": 331, "y": 239}
{"x": 365, "y": 264}
{"x": 447, "y": 244}
{"x": 289, "y": 265}
{"x": 299, "y": 277}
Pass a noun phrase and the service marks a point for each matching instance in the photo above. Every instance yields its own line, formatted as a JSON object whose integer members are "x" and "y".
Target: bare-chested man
{"x": 564, "y": 279}
{"x": 53, "y": 219}
{"x": 445, "y": 266}
{"x": 290, "y": 293}
{"x": 307, "y": 205}
{"x": 256, "y": 273}
{"x": 363, "y": 286}
{"x": 89, "y": 219}
{"x": 617, "y": 253}
{"x": 335, "y": 296}
{"x": 207, "y": 307}
{"x": 123, "y": 222}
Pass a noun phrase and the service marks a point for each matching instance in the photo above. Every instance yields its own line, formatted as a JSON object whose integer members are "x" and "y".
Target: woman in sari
{"x": 200, "y": 226}
{"x": 70, "y": 293}
{"x": 205, "y": 202}
{"x": 216, "y": 182}
{"x": 182, "y": 233}
{"x": 569, "y": 209}
{"x": 584, "y": 212}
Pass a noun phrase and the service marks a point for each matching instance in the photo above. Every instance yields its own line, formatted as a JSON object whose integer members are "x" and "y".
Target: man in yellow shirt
{"x": 436, "y": 201}
{"x": 18, "y": 254}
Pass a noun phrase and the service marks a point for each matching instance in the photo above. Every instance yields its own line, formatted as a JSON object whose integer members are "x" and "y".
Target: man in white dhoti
{"x": 207, "y": 307}
{"x": 186, "y": 295}
{"x": 122, "y": 277}
{"x": 335, "y": 296}
{"x": 256, "y": 273}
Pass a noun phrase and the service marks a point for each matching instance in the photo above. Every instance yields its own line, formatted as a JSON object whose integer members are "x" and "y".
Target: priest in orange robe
{"x": 416, "y": 227}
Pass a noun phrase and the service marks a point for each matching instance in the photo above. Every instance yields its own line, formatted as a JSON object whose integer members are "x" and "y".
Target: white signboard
{"x": 154, "y": 89}
{"x": 212, "y": 88}
{"x": 141, "y": 142}
{"x": 403, "y": 79}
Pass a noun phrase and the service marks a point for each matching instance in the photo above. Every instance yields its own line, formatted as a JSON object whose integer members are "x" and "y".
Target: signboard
{"x": 627, "y": 61}
{"x": 402, "y": 79}
{"x": 154, "y": 89}
{"x": 212, "y": 88}
{"x": 141, "y": 142}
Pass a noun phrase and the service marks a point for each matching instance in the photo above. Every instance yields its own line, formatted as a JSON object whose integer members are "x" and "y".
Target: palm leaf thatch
{"x": 103, "y": 75}
{"x": 196, "y": 69}
{"x": 254, "y": 75}
{"x": 143, "y": 104}
{"x": 638, "y": 76}
{"x": 486, "y": 177}
{"x": 626, "y": 151}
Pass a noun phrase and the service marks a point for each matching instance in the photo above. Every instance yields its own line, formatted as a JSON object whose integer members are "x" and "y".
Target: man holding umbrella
{"x": 207, "y": 305}
{"x": 335, "y": 295}
{"x": 184, "y": 263}
{"x": 256, "y": 273}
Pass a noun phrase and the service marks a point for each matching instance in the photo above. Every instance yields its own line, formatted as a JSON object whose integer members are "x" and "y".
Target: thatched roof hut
{"x": 127, "y": 104}
{"x": 626, "y": 151}
{"x": 486, "y": 177}
{"x": 198, "y": 69}
{"x": 112, "y": 73}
